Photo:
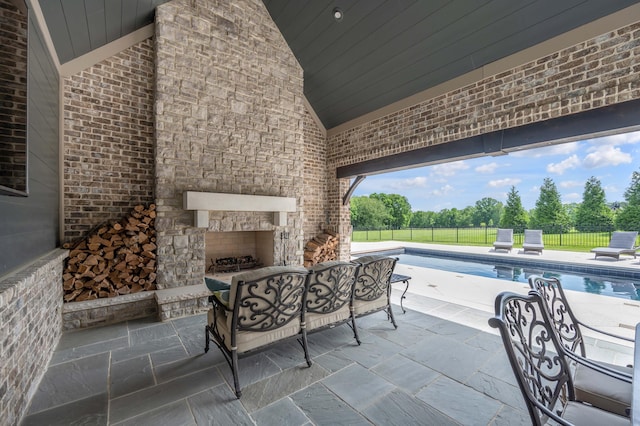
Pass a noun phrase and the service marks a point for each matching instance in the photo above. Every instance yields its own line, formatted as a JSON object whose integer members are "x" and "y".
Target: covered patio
{"x": 428, "y": 371}
{"x": 443, "y": 365}
{"x": 141, "y": 103}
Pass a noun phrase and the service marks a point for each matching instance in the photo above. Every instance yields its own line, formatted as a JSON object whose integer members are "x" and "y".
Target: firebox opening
{"x": 257, "y": 245}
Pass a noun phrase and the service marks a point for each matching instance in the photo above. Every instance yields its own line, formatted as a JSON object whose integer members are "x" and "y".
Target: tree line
{"x": 393, "y": 211}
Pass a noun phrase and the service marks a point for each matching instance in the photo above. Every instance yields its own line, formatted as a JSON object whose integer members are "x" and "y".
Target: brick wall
{"x": 598, "y": 72}
{"x": 30, "y": 314}
{"x": 108, "y": 140}
{"x": 315, "y": 179}
{"x": 13, "y": 87}
{"x": 229, "y": 118}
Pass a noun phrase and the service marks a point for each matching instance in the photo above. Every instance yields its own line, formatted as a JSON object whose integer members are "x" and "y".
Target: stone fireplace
{"x": 240, "y": 226}
{"x": 229, "y": 128}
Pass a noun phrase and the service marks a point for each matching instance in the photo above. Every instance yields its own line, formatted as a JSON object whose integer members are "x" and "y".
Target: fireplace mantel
{"x": 203, "y": 202}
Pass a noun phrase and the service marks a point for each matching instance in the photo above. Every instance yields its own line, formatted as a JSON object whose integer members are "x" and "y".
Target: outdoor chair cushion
{"x": 315, "y": 320}
{"x": 219, "y": 289}
{"x": 581, "y": 414}
{"x": 248, "y": 340}
{"x": 371, "y": 306}
{"x": 602, "y": 391}
{"x": 322, "y": 296}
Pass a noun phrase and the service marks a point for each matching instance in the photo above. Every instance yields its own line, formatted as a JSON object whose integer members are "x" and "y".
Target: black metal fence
{"x": 553, "y": 236}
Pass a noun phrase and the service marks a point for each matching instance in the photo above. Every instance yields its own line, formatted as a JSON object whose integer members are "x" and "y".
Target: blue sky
{"x": 458, "y": 184}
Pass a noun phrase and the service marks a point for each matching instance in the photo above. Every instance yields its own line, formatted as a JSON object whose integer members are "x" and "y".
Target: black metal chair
{"x": 263, "y": 306}
{"x": 539, "y": 363}
{"x": 600, "y": 390}
{"x": 372, "y": 291}
{"x": 329, "y": 296}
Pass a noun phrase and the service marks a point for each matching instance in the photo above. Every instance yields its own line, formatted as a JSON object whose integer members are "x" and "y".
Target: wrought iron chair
{"x": 539, "y": 363}
{"x": 372, "y": 291}
{"x": 263, "y": 307}
{"x": 605, "y": 391}
{"x": 329, "y": 296}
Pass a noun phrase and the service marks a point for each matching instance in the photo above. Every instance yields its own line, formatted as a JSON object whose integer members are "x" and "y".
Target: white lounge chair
{"x": 622, "y": 242}
{"x": 533, "y": 240}
{"x": 504, "y": 240}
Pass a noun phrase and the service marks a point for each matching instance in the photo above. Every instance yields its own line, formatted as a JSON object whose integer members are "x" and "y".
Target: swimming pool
{"x": 622, "y": 287}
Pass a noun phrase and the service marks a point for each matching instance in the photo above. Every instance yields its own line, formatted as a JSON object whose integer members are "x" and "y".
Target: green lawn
{"x": 570, "y": 241}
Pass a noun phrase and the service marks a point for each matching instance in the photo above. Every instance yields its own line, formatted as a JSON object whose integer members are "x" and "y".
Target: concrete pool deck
{"x": 469, "y": 300}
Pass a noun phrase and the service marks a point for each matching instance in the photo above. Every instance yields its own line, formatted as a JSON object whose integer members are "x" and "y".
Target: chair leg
{"x": 206, "y": 339}
{"x": 390, "y": 312}
{"x": 305, "y": 347}
{"x": 355, "y": 329}
{"x": 234, "y": 370}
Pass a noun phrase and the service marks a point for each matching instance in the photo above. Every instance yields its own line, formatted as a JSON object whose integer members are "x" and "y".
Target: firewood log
{"x": 113, "y": 259}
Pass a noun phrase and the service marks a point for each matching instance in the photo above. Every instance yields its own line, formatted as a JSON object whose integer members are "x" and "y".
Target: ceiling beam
{"x": 608, "y": 120}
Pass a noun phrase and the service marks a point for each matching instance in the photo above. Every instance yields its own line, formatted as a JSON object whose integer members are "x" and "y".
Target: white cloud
{"x": 487, "y": 168}
{"x": 606, "y": 155}
{"x": 444, "y": 190}
{"x": 449, "y": 169}
{"x": 566, "y": 164}
{"x": 409, "y": 183}
{"x": 561, "y": 149}
{"x": 621, "y": 139}
{"x": 504, "y": 182}
{"x": 573, "y": 196}
{"x": 570, "y": 184}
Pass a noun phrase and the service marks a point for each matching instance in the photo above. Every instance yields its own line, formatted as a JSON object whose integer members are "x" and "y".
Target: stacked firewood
{"x": 114, "y": 259}
{"x": 321, "y": 248}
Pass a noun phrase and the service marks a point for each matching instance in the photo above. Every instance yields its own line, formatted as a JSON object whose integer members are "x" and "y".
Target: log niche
{"x": 114, "y": 259}
{"x": 321, "y": 248}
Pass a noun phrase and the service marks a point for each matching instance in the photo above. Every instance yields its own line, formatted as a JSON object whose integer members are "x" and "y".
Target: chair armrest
{"x": 605, "y": 332}
{"x": 589, "y": 363}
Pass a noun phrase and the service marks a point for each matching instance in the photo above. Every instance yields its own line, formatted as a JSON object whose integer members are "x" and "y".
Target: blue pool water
{"x": 608, "y": 286}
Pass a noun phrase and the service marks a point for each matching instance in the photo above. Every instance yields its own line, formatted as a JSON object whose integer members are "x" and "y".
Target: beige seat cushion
{"x": 315, "y": 321}
{"x": 602, "y": 391}
{"x": 361, "y": 307}
{"x": 584, "y": 415}
{"x": 248, "y": 340}
{"x": 318, "y": 296}
{"x": 368, "y": 258}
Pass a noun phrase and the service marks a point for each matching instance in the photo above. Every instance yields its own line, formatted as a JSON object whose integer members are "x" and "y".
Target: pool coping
{"x": 561, "y": 265}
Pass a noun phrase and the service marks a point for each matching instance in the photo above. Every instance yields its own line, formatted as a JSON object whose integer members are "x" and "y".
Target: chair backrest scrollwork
{"x": 269, "y": 299}
{"x": 534, "y": 353}
{"x": 330, "y": 286}
{"x": 557, "y": 305}
{"x": 374, "y": 277}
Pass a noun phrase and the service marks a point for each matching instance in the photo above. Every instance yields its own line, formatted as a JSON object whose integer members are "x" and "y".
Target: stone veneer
{"x": 110, "y": 310}
{"x": 229, "y": 118}
{"x": 598, "y": 72}
{"x": 30, "y": 314}
{"x": 108, "y": 140}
